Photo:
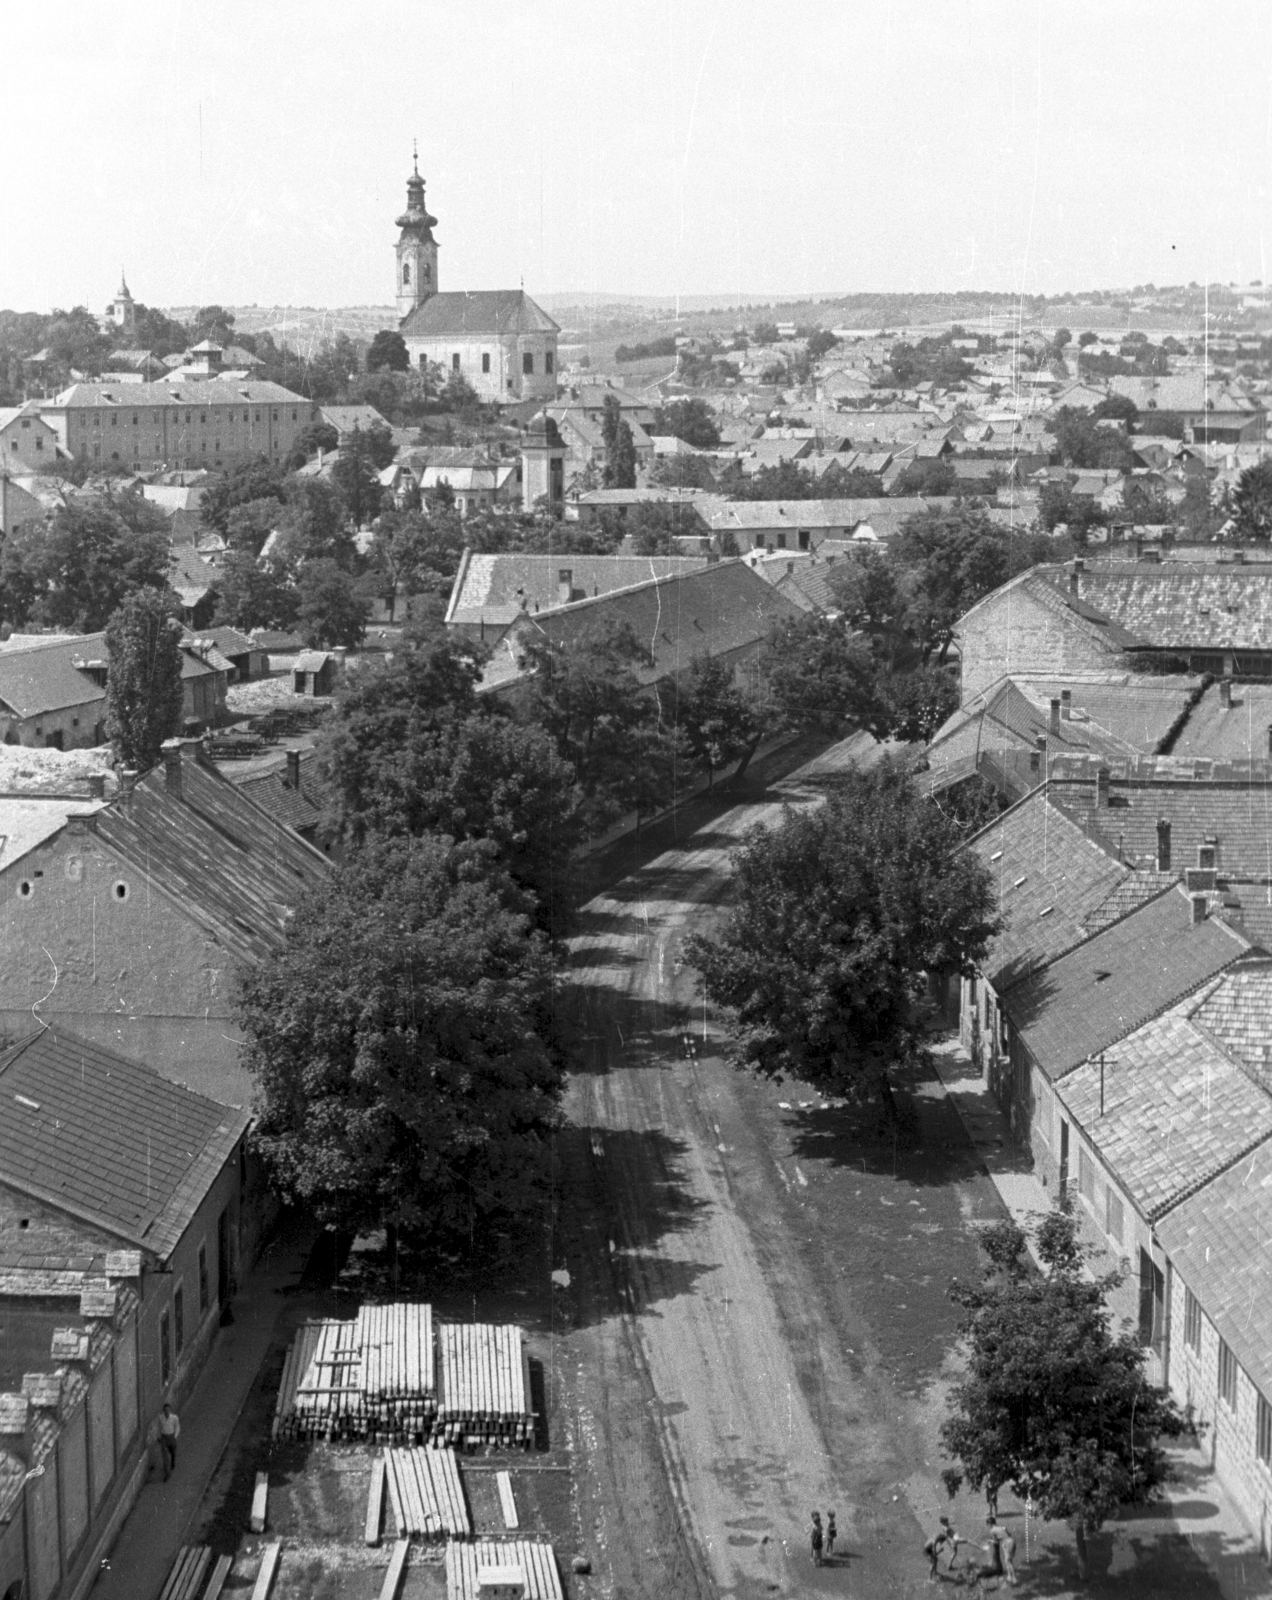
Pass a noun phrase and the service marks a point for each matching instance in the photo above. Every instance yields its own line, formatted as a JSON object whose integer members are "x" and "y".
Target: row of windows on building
{"x": 180, "y": 419}
{"x": 172, "y": 1328}
{"x": 1226, "y": 1369}
{"x": 527, "y": 362}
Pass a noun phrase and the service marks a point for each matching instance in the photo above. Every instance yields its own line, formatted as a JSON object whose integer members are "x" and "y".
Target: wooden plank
{"x": 220, "y": 1572}
{"x": 506, "y": 1501}
{"x": 375, "y": 1501}
{"x": 395, "y": 1494}
{"x": 269, "y": 1569}
{"x": 397, "y": 1566}
{"x": 260, "y": 1502}
{"x": 197, "y": 1572}
{"x": 176, "y": 1574}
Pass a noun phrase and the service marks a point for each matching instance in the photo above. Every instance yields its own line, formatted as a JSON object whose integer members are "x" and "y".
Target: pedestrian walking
{"x": 830, "y": 1534}
{"x": 817, "y": 1539}
{"x": 169, "y": 1433}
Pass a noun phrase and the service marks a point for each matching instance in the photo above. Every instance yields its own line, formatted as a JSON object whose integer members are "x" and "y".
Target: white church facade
{"x": 498, "y": 339}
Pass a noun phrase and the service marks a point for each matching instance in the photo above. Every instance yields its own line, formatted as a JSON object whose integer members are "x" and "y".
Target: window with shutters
{"x": 1192, "y": 1320}
{"x": 1263, "y": 1433}
{"x": 1227, "y": 1376}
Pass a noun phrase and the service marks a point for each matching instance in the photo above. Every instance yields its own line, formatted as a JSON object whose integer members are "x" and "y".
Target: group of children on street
{"x": 823, "y": 1541}
{"x": 1000, "y": 1550}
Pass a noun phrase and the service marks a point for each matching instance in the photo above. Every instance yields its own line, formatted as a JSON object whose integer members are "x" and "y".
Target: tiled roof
{"x": 42, "y": 676}
{"x": 480, "y": 311}
{"x": 1095, "y": 995}
{"x": 1179, "y": 605}
{"x": 1238, "y": 1012}
{"x": 27, "y": 820}
{"x": 1233, "y": 807}
{"x": 499, "y": 587}
{"x": 1048, "y": 876}
{"x": 1184, "y": 391}
{"x": 294, "y": 808}
{"x": 199, "y": 392}
{"x": 811, "y": 587}
{"x": 344, "y": 419}
{"x": 229, "y": 641}
{"x": 230, "y": 866}
{"x": 109, "y": 1140}
{"x": 845, "y": 513}
{"x": 1237, "y": 733}
{"x": 1220, "y": 1243}
{"x": 713, "y": 611}
{"x": 1175, "y": 1110}
{"x": 1035, "y": 585}
{"x": 312, "y": 660}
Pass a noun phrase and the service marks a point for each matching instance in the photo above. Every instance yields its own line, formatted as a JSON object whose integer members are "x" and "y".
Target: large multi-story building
{"x": 498, "y": 339}
{"x": 215, "y": 423}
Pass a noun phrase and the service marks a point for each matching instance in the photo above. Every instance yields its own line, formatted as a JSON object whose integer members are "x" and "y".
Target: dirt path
{"x": 763, "y": 1411}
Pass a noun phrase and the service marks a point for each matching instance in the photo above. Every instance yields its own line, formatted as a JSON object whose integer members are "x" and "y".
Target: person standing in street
{"x": 1001, "y": 1548}
{"x": 830, "y": 1534}
{"x": 817, "y": 1539}
{"x": 169, "y": 1433}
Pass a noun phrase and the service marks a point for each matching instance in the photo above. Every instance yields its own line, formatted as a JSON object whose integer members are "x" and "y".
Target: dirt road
{"x": 764, "y": 1409}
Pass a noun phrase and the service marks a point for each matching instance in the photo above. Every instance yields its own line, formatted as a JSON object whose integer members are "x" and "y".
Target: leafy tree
{"x": 143, "y": 685}
{"x": 1252, "y": 502}
{"x": 330, "y": 370}
{"x": 331, "y": 611}
{"x": 683, "y": 472}
{"x": 412, "y": 751}
{"x": 822, "y": 675}
{"x": 930, "y": 476}
{"x": 415, "y": 554}
{"x": 1080, "y": 443}
{"x": 620, "y": 447}
{"x": 255, "y": 594}
{"x": 254, "y": 480}
{"x": 1061, "y": 338}
{"x": 211, "y": 322}
{"x": 388, "y": 350}
{"x": 721, "y": 722}
{"x": 460, "y": 397}
{"x": 764, "y": 333}
{"x": 74, "y": 340}
{"x": 402, "y": 1044}
{"x": 837, "y": 915}
{"x": 587, "y": 693}
{"x": 1146, "y": 504}
{"x": 356, "y": 475}
{"x": 1085, "y": 339}
{"x": 1079, "y": 513}
{"x": 1118, "y": 407}
{"x": 1196, "y": 511}
{"x": 314, "y": 526}
{"x": 952, "y": 557}
{"x": 820, "y": 344}
{"x": 309, "y": 441}
{"x": 75, "y": 571}
{"x": 869, "y": 595}
{"x": 249, "y": 525}
{"x": 1054, "y": 1401}
{"x": 380, "y": 446}
{"x": 916, "y": 703}
{"x": 691, "y": 420}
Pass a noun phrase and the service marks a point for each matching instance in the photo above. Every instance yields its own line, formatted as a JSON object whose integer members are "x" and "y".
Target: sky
{"x": 256, "y": 151}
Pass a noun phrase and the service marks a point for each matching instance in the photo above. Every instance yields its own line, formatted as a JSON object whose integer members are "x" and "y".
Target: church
{"x": 498, "y": 339}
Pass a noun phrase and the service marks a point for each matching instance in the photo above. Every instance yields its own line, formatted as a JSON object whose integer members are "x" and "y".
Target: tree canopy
{"x": 388, "y": 351}
{"x": 74, "y": 571}
{"x": 402, "y": 1044}
{"x": 1252, "y": 502}
{"x": 1054, "y": 1401}
{"x": 143, "y": 685}
{"x": 691, "y": 420}
{"x": 837, "y": 914}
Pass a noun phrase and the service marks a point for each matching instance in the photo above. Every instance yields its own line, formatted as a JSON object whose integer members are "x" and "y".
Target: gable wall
{"x": 1012, "y": 632}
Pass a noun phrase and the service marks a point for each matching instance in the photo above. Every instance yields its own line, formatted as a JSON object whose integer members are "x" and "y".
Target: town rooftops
{"x": 1217, "y": 1241}
{"x": 746, "y": 515}
{"x": 27, "y": 820}
{"x": 44, "y": 675}
{"x": 1169, "y": 1110}
{"x": 715, "y": 610}
{"x": 1179, "y": 605}
{"x": 1238, "y": 1012}
{"x": 476, "y": 312}
{"x": 107, "y": 1140}
{"x": 344, "y": 419}
{"x": 1095, "y": 995}
{"x": 495, "y": 589}
{"x": 197, "y": 392}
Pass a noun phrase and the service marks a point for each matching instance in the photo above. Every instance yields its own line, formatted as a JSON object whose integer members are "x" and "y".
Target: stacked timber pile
{"x": 369, "y": 1379}
{"x": 483, "y": 1393}
{"x": 537, "y": 1563}
{"x": 427, "y": 1495}
{"x": 185, "y": 1580}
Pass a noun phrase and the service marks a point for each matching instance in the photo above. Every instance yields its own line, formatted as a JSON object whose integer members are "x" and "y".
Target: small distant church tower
{"x": 416, "y": 249}
{"x": 121, "y": 313}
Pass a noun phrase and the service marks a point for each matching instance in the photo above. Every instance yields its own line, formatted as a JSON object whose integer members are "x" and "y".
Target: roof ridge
{"x": 1204, "y": 1183}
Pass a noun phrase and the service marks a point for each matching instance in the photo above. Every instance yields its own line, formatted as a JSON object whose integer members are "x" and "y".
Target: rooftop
{"x": 108, "y": 1140}
{"x": 475, "y": 312}
{"x": 41, "y": 675}
{"x": 497, "y": 588}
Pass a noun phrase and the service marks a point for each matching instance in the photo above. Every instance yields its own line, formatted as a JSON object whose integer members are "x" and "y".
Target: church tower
{"x": 416, "y": 249}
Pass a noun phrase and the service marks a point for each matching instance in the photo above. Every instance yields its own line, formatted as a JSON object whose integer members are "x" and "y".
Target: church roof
{"x": 479, "y": 311}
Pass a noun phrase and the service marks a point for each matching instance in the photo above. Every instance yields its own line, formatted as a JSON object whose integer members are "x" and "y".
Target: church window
{"x": 527, "y": 362}
{"x": 548, "y": 361}
{"x": 455, "y": 362}
{"x": 425, "y": 272}
{"x": 485, "y": 361}
{"x": 406, "y": 272}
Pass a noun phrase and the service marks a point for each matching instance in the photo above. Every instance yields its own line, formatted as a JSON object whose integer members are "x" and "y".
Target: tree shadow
{"x": 608, "y": 1029}
{"x": 683, "y": 885}
{"x": 622, "y": 1196}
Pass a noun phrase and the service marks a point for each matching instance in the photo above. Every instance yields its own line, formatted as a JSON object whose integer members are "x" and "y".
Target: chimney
{"x": 565, "y": 585}
{"x": 1199, "y": 904}
{"x": 16, "y": 1431}
{"x": 128, "y": 780}
{"x": 1066, "y": 704}
{"x": 1035, "y": 760}
{"x": 1225, "y": 694}
{"x": 1163, "y": 845}
{"x": 1102, "y": 788}
{"x": 1055, "y": 716}
{"x": 43, "y": 1390}
{"x": 1074, "y": 579}
{"x": 172, "y": 768}
{"x": 97, "y": 786}
{"x": 1139, "y": 547}
{"x": 293, "y": 769}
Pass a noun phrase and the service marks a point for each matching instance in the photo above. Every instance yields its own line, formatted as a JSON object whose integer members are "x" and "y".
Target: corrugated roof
{"x": 233, "y": 869}
{"x": 1175, "y": 1110}
{"x": 1220, "y": 1243}
{"x": 478, "y": 311}
{"x": 109, "y": 1140}
{"x": 1092, "y": 997}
